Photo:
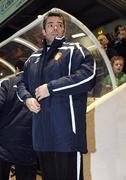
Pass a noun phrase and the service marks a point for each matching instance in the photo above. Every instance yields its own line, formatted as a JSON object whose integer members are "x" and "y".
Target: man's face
{"x": 122, "y": 34}
{"x": 54, "y": 27}
{"x": 103, "y": 40}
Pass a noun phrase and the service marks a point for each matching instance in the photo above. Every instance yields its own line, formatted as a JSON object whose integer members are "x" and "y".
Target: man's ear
{"x": 17, "y": 70}
{"x": 43, "y": 32}
{"x": 64, "y": 31}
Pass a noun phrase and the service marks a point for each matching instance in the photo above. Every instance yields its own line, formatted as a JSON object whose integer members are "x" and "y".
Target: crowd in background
{"x": 115, "y": 48}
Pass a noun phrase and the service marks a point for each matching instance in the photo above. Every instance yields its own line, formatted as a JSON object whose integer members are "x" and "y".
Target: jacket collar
{"x": 57, "y": 42}
{"x": 53, "y": 48}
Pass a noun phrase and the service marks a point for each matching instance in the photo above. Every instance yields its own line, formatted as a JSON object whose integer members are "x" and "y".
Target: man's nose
{"x": 55, "y": 27}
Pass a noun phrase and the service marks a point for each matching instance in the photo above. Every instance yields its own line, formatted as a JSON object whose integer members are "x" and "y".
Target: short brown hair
{"x": 19, "y": 64}
{"x": 53, "y": 13}
{"x": 115, "y": 58}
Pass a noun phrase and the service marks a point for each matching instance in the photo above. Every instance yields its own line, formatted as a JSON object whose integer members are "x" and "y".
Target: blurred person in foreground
{"x": 54, "y": 87}
{"x": 15, "y": 132}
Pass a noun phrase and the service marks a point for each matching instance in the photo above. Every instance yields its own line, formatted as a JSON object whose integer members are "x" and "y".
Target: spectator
{"x": 119, "y": 28}
{"x": 15, "y": 132}
{"x": 54, "y": 87}
{"x": 117, "y": 63}
{"x": 111, "y": 37}
{"x": 120, "y": 43}
{"x": 108, "y": 47}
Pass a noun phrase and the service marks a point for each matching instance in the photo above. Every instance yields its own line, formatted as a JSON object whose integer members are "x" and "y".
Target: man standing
{"x": 54, "y": 87}
{"x": 120, "y": 46}
{"x": 15, "y": 132}
{"x": 107, "y": 45}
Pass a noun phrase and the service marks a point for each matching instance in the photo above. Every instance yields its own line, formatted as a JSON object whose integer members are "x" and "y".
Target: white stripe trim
{"x": 60, "y": 38}
{"x": 72, "y": 114}
{"x": 36, "y": 55}
{"x": 33, "y": 55}
{"x": 80, "y": 48}
{"x": 65, "y": 47}
{"x": 19, "y": 97}
{"x": 79, "y": 83}
{"x": 5, "y": 79}
{"x": 70, "y": 96}
{"x": 72, "y": 45}
{"x": 78, "y": 165}
{"x": 71, "y": 53}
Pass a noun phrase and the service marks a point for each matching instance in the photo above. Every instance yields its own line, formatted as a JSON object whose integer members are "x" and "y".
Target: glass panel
{"x": 9, "y": 54}
{"x": 4, "y": 71}
{"x": 34, "y": 36}
{"x": 14, "y": 51}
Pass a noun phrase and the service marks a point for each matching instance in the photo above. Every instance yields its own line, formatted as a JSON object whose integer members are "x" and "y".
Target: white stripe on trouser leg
{"x": 72, "y": 114}
{"x": 78, "y": 165}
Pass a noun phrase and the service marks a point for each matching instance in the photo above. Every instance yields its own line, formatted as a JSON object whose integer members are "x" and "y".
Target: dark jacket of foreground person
{"x": 15, "y": 126}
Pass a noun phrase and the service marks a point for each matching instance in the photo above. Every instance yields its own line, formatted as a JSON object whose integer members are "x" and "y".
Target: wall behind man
{"x": 108, "y": 162}
{"x": 108, "y": 28}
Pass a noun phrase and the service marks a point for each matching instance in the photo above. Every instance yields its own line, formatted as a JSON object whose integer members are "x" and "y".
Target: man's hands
{"x": 41, "y": 92}
{"x": 33, "y": 105}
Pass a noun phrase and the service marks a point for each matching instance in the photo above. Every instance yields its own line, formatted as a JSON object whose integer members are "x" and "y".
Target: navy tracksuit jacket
{"x": 68, "y": 69}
